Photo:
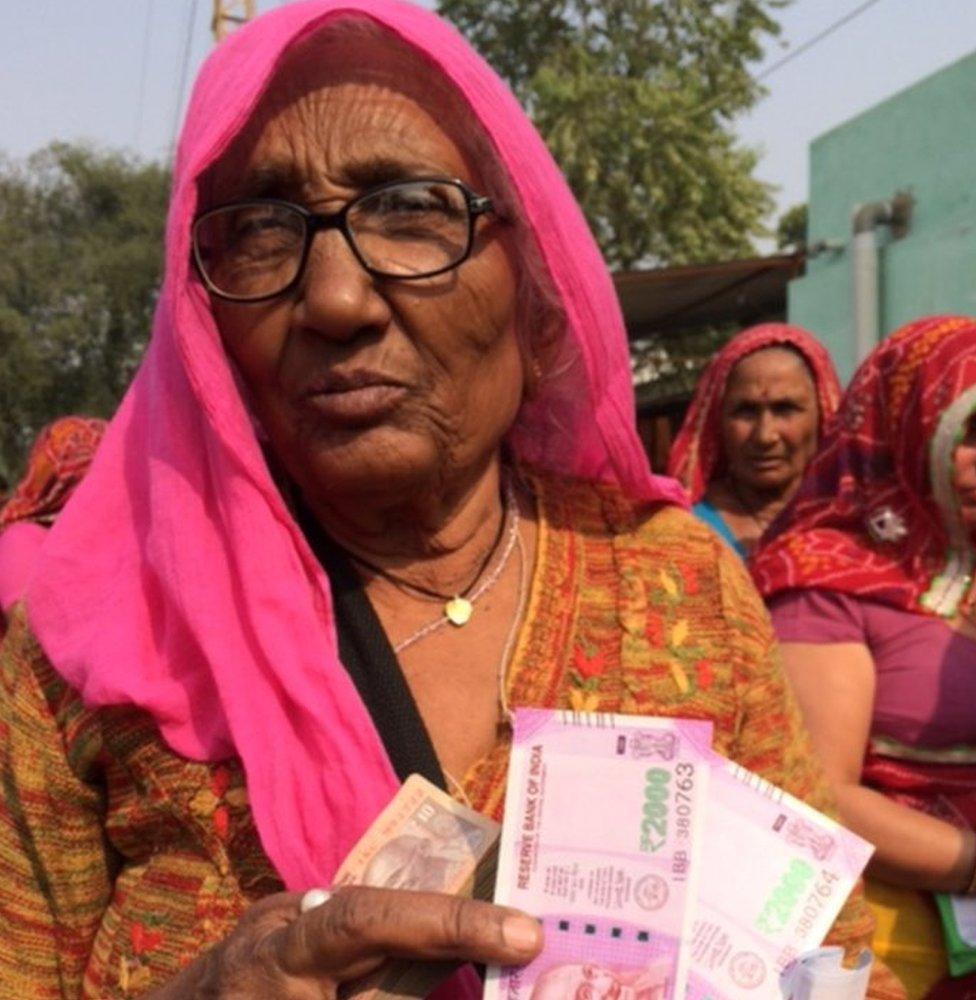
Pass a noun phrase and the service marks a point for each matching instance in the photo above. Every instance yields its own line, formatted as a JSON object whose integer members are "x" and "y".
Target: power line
{"x": 809, "y": 44}
{"x": 145, "y": 71}
{"x": 709, "y": 106}
{"x": 184, "y": 72}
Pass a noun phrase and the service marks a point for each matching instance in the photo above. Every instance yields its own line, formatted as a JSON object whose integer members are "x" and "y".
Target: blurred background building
{"x": 890, "y": 236}
{"x": 892, "y": 217}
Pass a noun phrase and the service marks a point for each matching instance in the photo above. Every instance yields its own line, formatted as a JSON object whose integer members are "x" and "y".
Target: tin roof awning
{"x": 669, "y": 299}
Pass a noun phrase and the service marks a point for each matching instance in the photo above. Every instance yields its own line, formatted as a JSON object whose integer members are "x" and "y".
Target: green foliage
{"x": 791, "y": 230}
{"x": 81, "y": 235}
{"x": 636, "y": 100}
{"x": 666, "y": 367}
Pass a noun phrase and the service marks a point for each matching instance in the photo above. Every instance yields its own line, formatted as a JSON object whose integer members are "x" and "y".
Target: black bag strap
{"x": 369, "y": 660}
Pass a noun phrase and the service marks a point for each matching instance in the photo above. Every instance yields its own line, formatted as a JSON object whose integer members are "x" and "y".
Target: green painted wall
{"x": 922, "y": 140}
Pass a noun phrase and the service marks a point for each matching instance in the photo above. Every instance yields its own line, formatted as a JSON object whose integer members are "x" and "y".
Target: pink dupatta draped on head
{"x": 177, "y": 580}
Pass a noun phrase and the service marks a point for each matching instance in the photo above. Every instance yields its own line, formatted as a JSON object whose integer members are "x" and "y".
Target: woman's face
{"x": 367, "y": 385}
{"x": 964, "y": 475}
{"x": 769, "y": 420}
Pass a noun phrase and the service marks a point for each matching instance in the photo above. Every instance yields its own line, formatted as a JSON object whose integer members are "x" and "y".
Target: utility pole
{"x": 229, "y": 14}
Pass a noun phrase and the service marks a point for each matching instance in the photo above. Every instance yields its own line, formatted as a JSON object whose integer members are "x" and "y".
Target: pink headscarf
{"x": 177, "y": 580}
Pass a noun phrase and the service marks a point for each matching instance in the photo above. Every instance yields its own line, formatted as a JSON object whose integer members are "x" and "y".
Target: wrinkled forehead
{"x": 354, "y": 84}
{"x": 777, "y": 365}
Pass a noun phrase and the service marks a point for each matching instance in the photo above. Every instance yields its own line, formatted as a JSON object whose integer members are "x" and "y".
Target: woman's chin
{"x": 774, "y": 482}
{"x": 366, "y": 462}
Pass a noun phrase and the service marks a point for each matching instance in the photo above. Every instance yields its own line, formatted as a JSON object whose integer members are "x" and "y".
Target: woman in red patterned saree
{"x": 869, "y": 581}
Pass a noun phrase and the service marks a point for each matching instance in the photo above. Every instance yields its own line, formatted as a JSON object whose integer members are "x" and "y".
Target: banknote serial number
{"x": 658, "y": 792}
{"x": 800, "y": 891}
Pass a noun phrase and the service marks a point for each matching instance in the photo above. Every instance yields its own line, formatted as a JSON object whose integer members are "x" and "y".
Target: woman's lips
{"x": 767, "y": 461}
{"x": 353, "y": 405}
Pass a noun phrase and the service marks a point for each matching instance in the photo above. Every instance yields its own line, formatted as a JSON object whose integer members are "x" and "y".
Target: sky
{"x": 112, "y": 72}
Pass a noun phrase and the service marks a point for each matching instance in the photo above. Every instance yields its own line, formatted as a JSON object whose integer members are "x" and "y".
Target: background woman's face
{"x": 365, "y": 384}
{"x": 770, "y": 419}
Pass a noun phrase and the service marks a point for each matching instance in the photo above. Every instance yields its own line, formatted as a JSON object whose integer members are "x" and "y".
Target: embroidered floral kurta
{"x": 122, "y": 862}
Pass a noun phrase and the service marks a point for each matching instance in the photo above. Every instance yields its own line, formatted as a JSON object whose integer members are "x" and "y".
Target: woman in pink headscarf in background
{"x": 753, "y": 425}
{"x": 377, "y": 480}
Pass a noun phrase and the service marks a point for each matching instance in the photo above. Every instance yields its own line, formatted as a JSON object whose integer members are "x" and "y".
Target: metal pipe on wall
{"x": 864, "y": 264}
{"x": 896, "y": 213}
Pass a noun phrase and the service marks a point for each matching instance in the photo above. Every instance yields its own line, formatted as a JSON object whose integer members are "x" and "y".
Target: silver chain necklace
{"x": 458, "y": 610}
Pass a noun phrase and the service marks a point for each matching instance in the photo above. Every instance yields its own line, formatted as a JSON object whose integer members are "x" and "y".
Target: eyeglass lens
{"x": 411, "y": 229}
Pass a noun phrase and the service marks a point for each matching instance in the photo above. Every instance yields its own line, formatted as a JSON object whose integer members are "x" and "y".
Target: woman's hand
{"x": 277, "y": 951}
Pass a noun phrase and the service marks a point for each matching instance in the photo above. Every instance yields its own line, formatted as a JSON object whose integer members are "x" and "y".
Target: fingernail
{"x": 520, "y": 932}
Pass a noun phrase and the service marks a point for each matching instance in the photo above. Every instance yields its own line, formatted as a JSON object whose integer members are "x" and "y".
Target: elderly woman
{"x": 869, "y": 580}
{"x": 752, "y": 426}
{"x": 376, "y": 481}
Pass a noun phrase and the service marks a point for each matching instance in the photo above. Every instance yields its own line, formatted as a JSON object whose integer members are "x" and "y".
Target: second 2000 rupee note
{"x": 601, "y": 842}
{"x": 775, "y": 874}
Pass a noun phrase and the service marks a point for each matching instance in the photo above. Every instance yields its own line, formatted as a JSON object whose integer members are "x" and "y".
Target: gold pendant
{"x": 458, "y": 611}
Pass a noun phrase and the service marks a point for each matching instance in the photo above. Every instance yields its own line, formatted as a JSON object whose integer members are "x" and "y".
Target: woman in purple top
{"x": 869, "y": 582}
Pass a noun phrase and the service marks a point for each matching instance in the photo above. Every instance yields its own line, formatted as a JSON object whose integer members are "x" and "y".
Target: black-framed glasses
{"x": 248, "y": 251}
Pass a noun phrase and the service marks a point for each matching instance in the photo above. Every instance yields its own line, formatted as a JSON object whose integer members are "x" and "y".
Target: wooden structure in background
{"x": 673, "y": 302}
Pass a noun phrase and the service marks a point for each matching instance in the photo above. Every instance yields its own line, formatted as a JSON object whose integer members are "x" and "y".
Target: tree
{"x": 636, "y": 100}
{"x": 81, "y": 235}
{"x": 791, "y": 230}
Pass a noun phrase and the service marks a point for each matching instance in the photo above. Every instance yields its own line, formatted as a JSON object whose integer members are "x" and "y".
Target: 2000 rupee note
{"x": 601, "y": 842}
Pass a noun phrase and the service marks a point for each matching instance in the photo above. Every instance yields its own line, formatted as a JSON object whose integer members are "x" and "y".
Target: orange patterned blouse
{"x": 122, "y": 861}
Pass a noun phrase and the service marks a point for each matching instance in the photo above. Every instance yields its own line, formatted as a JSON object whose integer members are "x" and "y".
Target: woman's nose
{"x": 766, "y": 431}
{"x": 337, "y": 296}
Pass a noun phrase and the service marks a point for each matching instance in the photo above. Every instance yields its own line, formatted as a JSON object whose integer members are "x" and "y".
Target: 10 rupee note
{"x": 424, "y": 841}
